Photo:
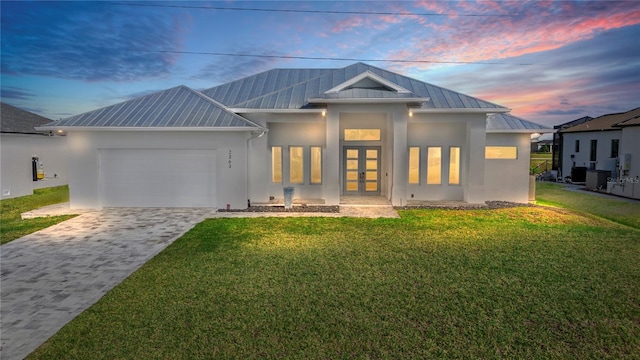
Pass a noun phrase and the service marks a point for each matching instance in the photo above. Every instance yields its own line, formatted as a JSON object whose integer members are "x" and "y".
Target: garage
{"x": 157, "y": 178}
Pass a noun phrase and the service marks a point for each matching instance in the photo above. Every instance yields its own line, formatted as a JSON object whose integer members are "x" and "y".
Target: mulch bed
{"x": 294, "y": 209}
{"x": 489, "y": 205}
{"x": 335, "y": 208}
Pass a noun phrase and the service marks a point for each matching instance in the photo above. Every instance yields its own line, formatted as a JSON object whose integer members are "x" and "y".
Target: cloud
{"x": 530, "y": 27}
{"x": 87, "y": 41}
{"x": 590, "y": 77}
{"x": 15, "y": 93}
{"x": 230, "y": 68}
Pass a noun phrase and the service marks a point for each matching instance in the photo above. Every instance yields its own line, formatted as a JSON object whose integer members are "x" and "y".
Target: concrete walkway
{"x": 49, "y": 277}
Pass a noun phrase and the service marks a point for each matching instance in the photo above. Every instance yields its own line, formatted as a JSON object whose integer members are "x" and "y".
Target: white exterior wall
{"x": 582, "y": 158}
{"x": 629, "y": 183}
{"x": 16, "y": 152}
{"x": 508, "y": 180}
{"x": 431, "y": 131}
{"x": 84, "y": 172}
{"x": 467, "y": 131}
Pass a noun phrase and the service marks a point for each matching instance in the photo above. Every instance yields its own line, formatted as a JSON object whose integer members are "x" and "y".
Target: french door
{"x": 361, "y": 170}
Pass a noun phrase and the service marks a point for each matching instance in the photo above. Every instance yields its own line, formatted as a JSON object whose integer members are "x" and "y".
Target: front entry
{"x": 361, "y": 174}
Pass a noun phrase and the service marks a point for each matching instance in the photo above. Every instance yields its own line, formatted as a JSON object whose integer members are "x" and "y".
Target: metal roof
{"x": 510, "y": 123}
{"x": 605, "y": 122}
{"x": 18, "y": 121}
{"x": 178, "y": 107}
{"x": 292, "y": 89}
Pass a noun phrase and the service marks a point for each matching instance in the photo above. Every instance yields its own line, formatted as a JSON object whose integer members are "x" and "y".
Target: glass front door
{"x": 361, "y": 170}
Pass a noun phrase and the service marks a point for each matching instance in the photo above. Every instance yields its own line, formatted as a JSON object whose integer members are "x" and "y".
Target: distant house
{"x": 556, "y": 148}
{"x": 22, "y": 147}
{"x": 329, "y": 133}
{"x": 608, "y": 144}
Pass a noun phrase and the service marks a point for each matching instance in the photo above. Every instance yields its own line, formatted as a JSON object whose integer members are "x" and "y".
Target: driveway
{"x": 49, "y": 277}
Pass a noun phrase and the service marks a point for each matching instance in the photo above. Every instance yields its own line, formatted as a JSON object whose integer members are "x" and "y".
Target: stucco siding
{"x": 582, "y": 157}
{"x": 508, "y": 180}
{"x": 628, "y": 184}
{"x": 16, "y": 153}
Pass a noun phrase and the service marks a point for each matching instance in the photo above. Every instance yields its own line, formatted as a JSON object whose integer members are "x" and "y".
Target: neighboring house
{"x": 556, "y": 149}
{"x": 353, "y": 131}
{"x": 20, "y": 143}
{"x": 608, "y": 143}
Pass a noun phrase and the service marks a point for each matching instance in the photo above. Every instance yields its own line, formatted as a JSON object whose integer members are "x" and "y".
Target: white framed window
{"x": 316, "y": 165}
{"x": 296, "y": 164}
{"x": 501, "y": 152}
{"x": 276, "y": 164}
{"x": 434, "y": 165}
{"x": 414, "y": 165}
{"x": 454, "y": 165}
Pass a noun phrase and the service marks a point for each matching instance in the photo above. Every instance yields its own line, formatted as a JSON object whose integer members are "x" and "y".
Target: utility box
{"x": 578, "y": 174}
{"x": 597, "y": 179}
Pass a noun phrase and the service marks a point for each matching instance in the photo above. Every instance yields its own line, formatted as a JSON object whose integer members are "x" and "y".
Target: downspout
{"x": 254, "y": 135}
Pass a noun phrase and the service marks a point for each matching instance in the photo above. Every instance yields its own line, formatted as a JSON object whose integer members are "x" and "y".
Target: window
{"x": 276, "y": 164}
{"x": 501, "y": 152}
{"x": 454, "y": 165}
{"x": 434, "y": 156}
{"x": 362, "y": 134}
{"x": 316, "y": 165}
{"x": 296, "y": 164}
{"x": 577, "y": 146}
{"x": 414, "y": 165}
{"x": 615, "y": 147}
{"x": 594, "y": 150}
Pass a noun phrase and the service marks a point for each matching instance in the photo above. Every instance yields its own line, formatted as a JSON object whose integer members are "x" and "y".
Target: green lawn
{"x": 13, "y": 227}
{"x": 528, "y": 282}
{"x": 538, "y": 160}
{"x": 610, "y": 208}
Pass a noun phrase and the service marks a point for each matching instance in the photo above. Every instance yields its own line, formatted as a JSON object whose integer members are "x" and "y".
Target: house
{"x": 607, "y": 144}
{"x": 22, "y": 147}
{"x": 556, "y": 149}
{"x": 353, "y": 131}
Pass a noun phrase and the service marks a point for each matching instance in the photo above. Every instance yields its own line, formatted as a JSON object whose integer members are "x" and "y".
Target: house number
{"x": 229, "y": 158}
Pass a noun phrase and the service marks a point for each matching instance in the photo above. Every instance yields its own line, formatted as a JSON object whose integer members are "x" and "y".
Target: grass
{"x": 622, "y": 212}
{"x": 13, "y": 227}
{"x": 538, "y": 160}
{"x": 528, "y": 282}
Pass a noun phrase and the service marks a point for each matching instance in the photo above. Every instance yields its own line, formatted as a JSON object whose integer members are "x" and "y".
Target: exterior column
{"x": 476, "y": 141}
{"x": 400, "y": 165}
{"x": 332, "y": 167}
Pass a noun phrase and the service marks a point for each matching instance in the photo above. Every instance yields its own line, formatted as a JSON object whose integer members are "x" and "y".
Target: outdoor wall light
{"x": 324, "y": 113}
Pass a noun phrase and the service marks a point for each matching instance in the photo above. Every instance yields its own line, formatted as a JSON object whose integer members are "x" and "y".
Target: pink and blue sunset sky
{"x": 549, "y": 61}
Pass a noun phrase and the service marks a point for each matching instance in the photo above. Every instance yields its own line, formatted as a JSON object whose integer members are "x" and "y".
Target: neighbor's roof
{"x": 294, "y": 88}
{"x": 178, "y": 107}
{"x": 18, "y": 121}
{"x": 605, "y": 122}
{"x": 631, "y": 122}
{"x": 509, "y": 123}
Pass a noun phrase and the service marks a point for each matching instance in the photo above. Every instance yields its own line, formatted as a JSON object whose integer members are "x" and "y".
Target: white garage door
{"x": 158, "y": 178}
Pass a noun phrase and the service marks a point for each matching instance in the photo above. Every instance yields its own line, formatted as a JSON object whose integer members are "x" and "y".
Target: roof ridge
{"x": 290, "y": 86}
{"x": 224, "y": 108}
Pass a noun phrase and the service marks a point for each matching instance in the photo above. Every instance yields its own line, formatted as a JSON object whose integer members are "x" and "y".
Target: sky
{"x": 549, "y": 61}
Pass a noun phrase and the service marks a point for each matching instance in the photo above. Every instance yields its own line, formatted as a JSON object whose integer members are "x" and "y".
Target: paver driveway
{"x": 49, "y": 277}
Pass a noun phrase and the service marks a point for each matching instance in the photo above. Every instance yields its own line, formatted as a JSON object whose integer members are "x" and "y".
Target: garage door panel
{"x": 158, "y": 178}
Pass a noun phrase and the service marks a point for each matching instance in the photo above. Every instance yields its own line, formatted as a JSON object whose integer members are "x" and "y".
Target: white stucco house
{"x": 329, "y": 133}
{"x": 608, "y": 143}
{"x": 22, "y": 147}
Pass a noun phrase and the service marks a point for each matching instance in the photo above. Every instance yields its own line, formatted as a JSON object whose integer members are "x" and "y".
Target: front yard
{"x": 528, "y": 282}
{"x": 13, "y": 227}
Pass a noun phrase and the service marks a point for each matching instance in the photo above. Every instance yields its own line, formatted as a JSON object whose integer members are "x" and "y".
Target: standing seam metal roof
{"x": 292, "y": 88}
{"x": 507, "y": 122}
{"x": 176, "y": 107}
